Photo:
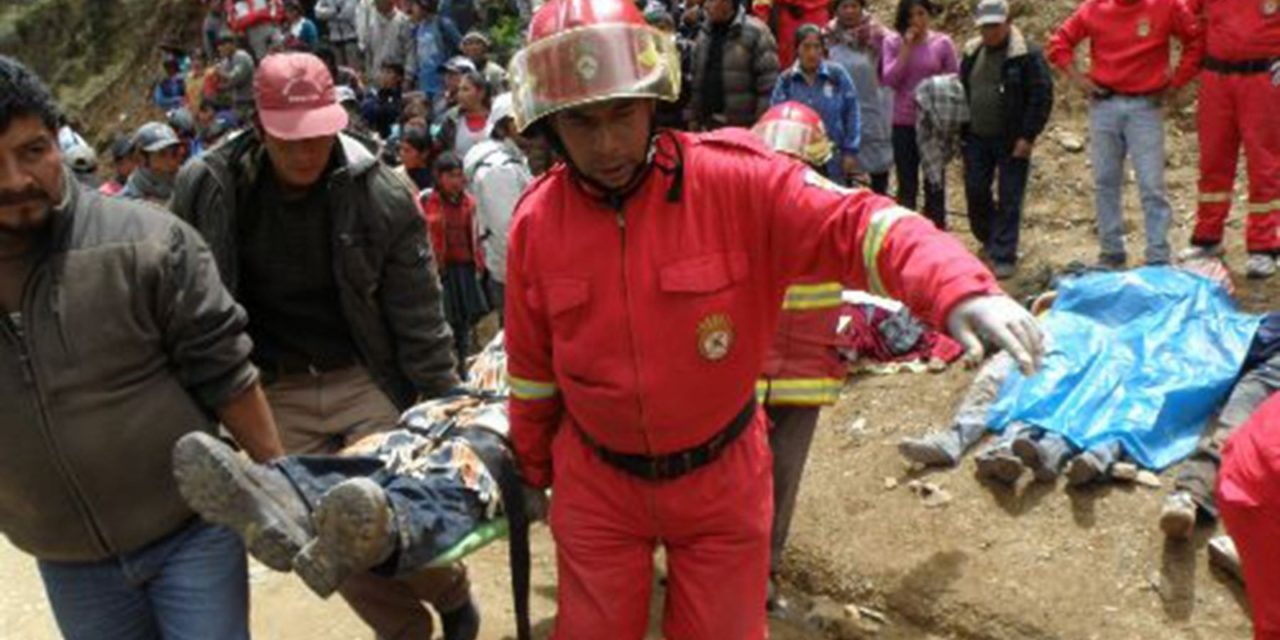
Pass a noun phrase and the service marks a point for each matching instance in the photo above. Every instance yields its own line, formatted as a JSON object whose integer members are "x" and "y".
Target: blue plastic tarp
{"x": 1143, "y": 357}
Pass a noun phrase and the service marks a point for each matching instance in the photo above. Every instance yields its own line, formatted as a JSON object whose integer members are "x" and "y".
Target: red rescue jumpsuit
{"x": 1239, "y": 108}
{"x": 646, "y": 327}
{"x": 1249, "y": 500}
{"x": 245, "y": 14}
{"x": 791, "y": 15}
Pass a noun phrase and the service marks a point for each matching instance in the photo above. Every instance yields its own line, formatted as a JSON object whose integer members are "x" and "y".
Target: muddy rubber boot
{"x": 462, "y": 623}
{"x": 933, "y": 450}
{"x": 1001, "y": 466}
{"x": 256, "y": 501}
{"x": 1178, "y": 516}
{"x": 1223, "y": 555}
{"x": 355, "y": 531}
{"x": 1084, "y": 469}
{"x": 1043, "y": 465}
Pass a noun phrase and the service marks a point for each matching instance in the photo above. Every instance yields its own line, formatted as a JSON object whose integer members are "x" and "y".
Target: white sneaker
{"x": 1197, "y": 252}
{"x": 1260, "y": 265}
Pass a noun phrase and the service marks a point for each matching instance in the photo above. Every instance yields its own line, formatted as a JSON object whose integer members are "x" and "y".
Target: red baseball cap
{"x": 296, "y": 97}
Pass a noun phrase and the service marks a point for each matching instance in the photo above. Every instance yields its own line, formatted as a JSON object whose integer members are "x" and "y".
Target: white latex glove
{"x": 1004, "y": 323}
{"x": 1275, "y": 74}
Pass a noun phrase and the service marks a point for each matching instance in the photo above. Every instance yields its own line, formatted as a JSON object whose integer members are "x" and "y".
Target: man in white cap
{"x": 476, "y": 46}
{"x": 1010, "y": 93}
{"x": 161, "y": 153}
{"x": 325, "y": 248}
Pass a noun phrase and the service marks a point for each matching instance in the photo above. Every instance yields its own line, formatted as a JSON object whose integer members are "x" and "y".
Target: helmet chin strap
{"x": 614, "y": 197}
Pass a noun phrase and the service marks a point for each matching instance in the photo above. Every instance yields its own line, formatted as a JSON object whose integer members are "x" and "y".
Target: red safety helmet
{"x": 796, "y": 130}
{"x": 586, "y": 51}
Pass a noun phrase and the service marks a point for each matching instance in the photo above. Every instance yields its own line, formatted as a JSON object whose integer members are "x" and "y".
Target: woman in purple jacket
{"x": 912, "y": 55}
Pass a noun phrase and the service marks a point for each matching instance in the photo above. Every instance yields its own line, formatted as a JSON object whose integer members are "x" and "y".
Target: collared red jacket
{"x": 1238, "y": 30}
{"x": 645, "y": 322}
{"x": 803, "y": 367}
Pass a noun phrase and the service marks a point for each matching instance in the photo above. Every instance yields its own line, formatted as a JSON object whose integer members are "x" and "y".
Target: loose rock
{"x": 1148, "y": 479}
{"x": 1124, "y": 472}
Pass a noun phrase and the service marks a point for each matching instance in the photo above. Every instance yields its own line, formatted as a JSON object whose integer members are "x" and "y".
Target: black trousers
{"x": 906, "y": 159}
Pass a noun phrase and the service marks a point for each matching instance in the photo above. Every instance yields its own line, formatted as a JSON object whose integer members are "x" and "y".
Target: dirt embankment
{"x": 100, "y": 56}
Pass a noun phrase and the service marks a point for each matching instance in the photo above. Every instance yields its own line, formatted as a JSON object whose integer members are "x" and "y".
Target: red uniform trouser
{"x": 1249, "y": 502}
{"x": 1236, "y": 109}
{"x": 714, "y": 524}
{"x": 790, "y": 18}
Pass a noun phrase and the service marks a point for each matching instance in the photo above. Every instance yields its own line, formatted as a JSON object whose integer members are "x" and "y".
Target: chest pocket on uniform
{"x": 705, "y": 274}
{"x": 566, "y": 298}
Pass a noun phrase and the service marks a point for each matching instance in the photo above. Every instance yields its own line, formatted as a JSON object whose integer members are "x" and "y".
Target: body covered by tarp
{"x": 1144, "y": 357}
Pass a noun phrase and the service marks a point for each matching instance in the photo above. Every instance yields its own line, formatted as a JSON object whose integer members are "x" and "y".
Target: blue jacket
{"x": 835, "y": 98}
{"x": 434, "y": 42}
{"x": 170, "y": 92}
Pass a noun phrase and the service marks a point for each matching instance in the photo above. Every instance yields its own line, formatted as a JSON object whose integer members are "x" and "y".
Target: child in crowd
{"x": 450, "y": 213}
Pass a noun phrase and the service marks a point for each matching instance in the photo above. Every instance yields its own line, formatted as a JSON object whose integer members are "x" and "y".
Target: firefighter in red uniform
{"x": 802, "y": 371}
{"x": 1249, "y": 498}
{"x": 645, "y": 279}
{"x": 785, "y": 16}
{"x": 1239, "y": 93}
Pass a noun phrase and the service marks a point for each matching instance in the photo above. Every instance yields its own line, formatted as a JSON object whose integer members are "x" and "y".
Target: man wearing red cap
{"x": 1239, "y": 91}
{"x": 325, "y": 248}
{"x": 645, "y": 277}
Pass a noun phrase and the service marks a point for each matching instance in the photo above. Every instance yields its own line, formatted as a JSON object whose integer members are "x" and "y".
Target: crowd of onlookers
{"x": 421, "y": 79}
{"x": 424, "y": 84}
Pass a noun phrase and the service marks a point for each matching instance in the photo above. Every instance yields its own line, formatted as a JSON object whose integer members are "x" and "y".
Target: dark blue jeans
{"x": 433, "y": 509}
{"x": 995, "y": 221}
{"x": 190, "y": 585}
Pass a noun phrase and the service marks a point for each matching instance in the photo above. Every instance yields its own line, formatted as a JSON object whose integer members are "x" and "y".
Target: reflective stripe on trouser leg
{"x": 1259, "y": 100}
{"x": 1219, "y": 135}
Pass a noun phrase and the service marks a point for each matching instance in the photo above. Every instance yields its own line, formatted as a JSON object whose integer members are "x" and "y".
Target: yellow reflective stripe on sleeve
{"x": 1209, "y": 197}
{"x": 522, "y": 389}
{"x": 804, "y": 297}
{"x": 1264, "y": 207}
{"x": 802, "y": 391}
{"x": 877, "y": 231}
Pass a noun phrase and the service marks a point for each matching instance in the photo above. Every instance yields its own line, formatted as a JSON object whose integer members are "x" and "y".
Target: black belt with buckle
{"x": 680, "y": 463}
{"x": 273, "y": 369}
{"x": 1104, "y": 93}
{"x": 1240, "y": 67}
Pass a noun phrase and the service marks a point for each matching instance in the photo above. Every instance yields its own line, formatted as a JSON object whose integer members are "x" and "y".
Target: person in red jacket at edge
{"x": 1239, "y": 92}
{"x": 785, "y": 16}
{"x": 803, "y": 371}
{"x": 646, "y": 274}
{"x": 1249, "y": 500}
